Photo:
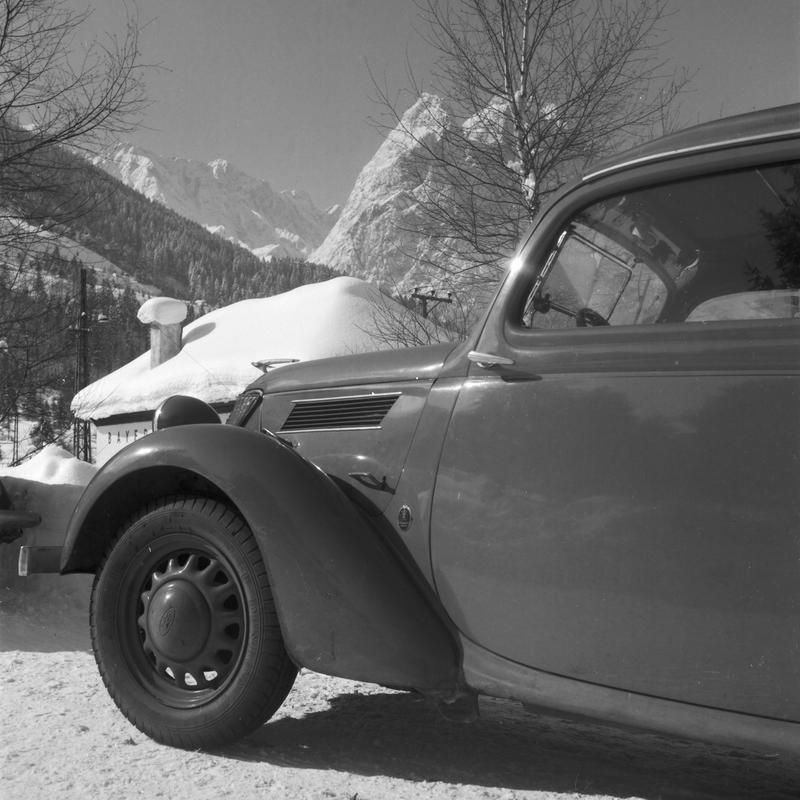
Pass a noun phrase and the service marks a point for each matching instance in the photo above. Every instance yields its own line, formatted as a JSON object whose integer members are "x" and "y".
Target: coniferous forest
{"x": 157, "y": 246}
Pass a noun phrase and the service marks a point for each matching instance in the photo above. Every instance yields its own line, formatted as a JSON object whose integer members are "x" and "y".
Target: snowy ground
{"x": 62, "y": 737}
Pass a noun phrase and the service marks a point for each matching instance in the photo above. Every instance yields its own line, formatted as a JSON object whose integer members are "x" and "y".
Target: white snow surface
{"x": 162, "y": 311}
{"x": 331, "y": 318}
{"x": 225, "y": 200}
{"x": 54, "y": 466}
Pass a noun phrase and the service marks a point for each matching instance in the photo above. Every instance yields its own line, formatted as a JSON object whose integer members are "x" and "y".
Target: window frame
{"x": 672, "y": 346}
{"x": 571, "y": 233}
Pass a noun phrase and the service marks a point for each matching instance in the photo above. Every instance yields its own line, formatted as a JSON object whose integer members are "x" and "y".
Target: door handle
{"x": 489, "y": 360}
{"x": 371, "y": 482}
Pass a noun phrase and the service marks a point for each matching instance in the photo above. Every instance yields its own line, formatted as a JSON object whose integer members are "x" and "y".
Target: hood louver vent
{"x": 364, "y": 411}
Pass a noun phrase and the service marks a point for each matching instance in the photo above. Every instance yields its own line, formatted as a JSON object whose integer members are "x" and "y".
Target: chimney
{"x": 164, "y": 315}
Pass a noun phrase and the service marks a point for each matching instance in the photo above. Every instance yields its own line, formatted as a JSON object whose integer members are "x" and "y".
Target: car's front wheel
{"x": 184, "y": 628}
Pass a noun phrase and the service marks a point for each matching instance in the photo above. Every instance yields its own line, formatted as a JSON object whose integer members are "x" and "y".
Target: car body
{"x": 591, "y": 506}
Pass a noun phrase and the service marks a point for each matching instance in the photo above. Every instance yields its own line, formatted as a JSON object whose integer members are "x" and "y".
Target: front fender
{"x": 349, "y": 600}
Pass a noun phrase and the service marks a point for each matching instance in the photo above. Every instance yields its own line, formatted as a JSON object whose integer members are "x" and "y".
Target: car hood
{"x": 385, "y": 366}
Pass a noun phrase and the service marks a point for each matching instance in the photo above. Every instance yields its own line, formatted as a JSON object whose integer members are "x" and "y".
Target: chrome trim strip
{"x": 665, "y": 154}
{"x": 292, "y": 431}
{"x": 487, "y": 360}
{"x": 346, "y": 397}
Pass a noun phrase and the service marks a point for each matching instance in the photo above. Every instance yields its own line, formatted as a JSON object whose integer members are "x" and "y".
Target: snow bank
{"x": 334, "y": 317}
{"x": 52, "y": 465}
{"x": 50, "y": 484}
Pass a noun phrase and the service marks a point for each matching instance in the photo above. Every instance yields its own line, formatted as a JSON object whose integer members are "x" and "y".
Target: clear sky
{"x": 281, "y": 87}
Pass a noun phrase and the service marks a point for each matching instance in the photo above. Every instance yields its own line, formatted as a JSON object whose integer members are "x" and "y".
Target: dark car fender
{"x": 349, "y": 601}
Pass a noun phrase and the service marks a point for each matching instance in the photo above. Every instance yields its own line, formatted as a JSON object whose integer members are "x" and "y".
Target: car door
{"x": 617, "y": 498}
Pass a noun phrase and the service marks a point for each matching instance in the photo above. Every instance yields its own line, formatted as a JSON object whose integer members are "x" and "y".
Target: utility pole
{"x": 13, "y": 424}
{"x": 431, "y": 297}
{"x": 81, "y": 428}
{"x": 15, "y": 434}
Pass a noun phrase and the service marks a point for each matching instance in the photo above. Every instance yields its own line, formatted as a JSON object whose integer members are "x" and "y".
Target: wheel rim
{"x": 182, "y": 620}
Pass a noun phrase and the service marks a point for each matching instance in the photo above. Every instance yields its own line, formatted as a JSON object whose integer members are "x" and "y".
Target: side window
{"x": 721, "y": 247}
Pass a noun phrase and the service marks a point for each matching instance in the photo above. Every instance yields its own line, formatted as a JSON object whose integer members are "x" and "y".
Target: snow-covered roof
{"x": 334, "y": 317}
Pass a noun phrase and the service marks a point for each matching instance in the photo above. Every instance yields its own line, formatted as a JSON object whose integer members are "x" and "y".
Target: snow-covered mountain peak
{"x": 376, "y": 236}
{"x": 491, "y": 125}
{"x": 223, "y": 199}
{"x": 425, "y": 119}
{"x": 219, "y": 167}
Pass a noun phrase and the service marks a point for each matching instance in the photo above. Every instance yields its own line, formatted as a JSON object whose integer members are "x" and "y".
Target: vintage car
{"x": 591, "y": 506}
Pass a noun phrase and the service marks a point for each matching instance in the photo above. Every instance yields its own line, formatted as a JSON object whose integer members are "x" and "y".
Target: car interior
{"x": 717, "y": 248}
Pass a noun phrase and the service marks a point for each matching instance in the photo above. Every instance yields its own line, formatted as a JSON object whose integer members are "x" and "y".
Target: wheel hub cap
{"x": 178, "y": 620}
{"x": 190, "y": 624}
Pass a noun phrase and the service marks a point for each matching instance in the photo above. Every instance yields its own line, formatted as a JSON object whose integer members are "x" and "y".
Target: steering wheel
{"x": 590, "y": 317}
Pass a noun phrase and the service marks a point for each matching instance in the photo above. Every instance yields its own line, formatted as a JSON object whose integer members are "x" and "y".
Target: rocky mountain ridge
{"x": 383, "y": 233}
{"x": 224, "y": 200}
{"x": 380, "y": 234}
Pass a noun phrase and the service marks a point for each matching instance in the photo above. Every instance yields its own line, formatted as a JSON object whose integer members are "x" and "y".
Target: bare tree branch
{"x": 57, "y": 93}
{"x": 535, "y": 90}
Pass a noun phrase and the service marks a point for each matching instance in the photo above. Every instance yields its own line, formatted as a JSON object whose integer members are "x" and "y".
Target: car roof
{"x": 771, "y": 123}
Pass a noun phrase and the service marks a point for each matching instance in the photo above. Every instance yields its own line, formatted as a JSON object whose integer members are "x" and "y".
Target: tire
{"x": 184, "y": 628}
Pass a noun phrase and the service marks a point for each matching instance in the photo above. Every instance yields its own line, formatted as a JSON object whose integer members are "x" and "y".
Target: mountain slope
{"x": 224, "y": 200}
{"x": 159, "y": 246}
{"x": 152, "y": 243}
{"x": 378, "y": 234}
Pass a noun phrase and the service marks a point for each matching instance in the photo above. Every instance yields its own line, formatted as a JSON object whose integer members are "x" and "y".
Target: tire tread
{"x": 258, "y": 699}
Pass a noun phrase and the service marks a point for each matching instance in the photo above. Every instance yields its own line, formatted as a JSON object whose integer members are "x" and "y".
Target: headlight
{"x": 183, "y": 410}
{"x": 244, "y": 407}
